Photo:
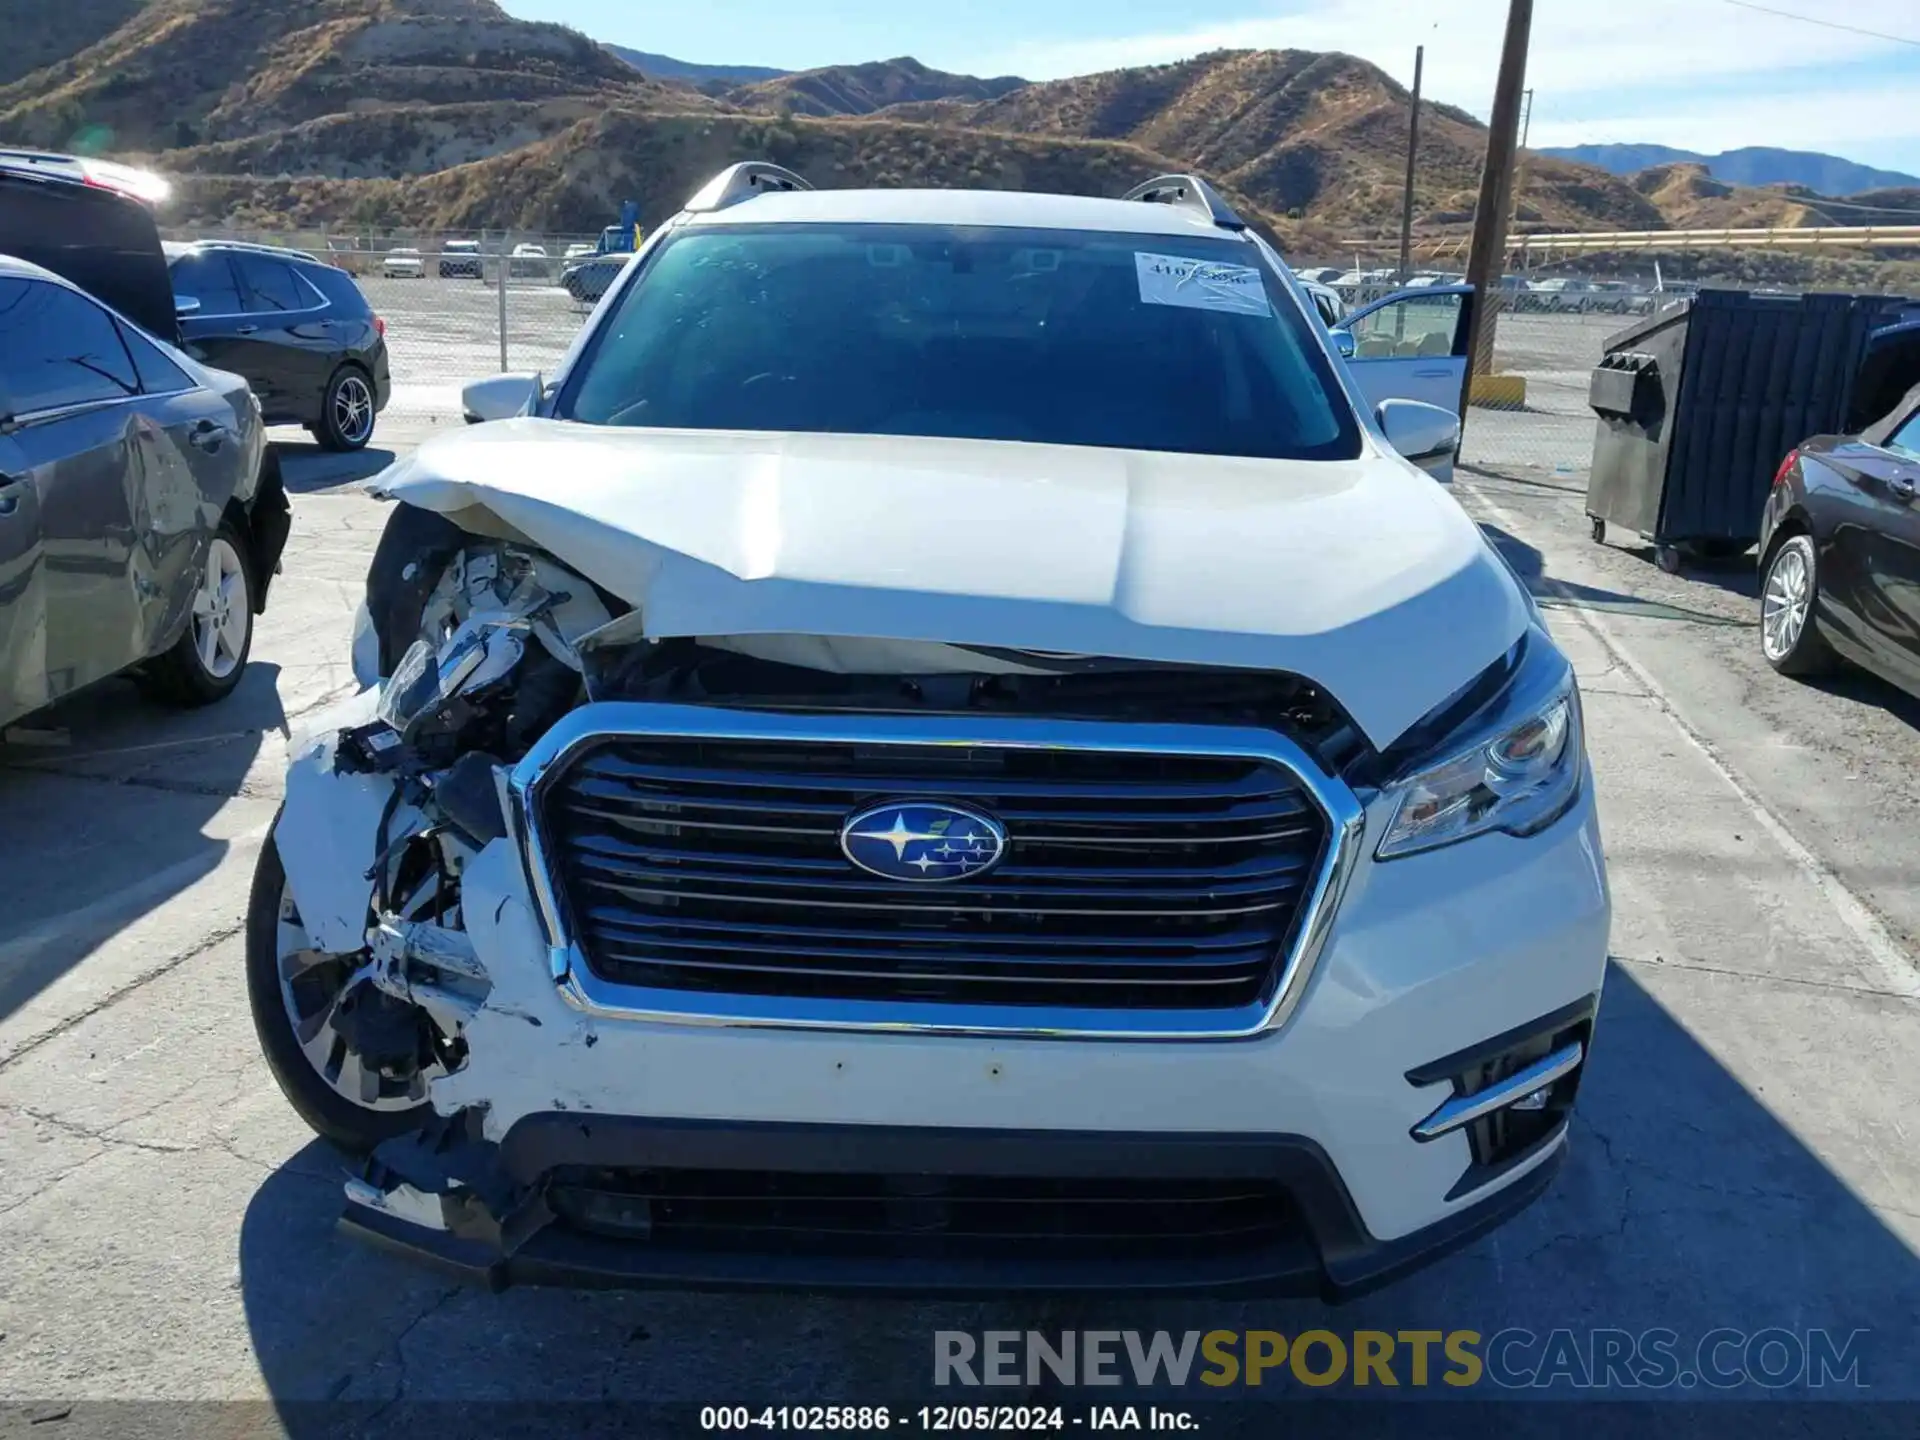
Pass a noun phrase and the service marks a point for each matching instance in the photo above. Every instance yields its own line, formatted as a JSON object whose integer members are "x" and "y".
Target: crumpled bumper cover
{"x": 479, "y": 1208}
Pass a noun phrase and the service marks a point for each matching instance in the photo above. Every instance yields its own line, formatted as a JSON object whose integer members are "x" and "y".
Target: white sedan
{"x": 403, "y": 265}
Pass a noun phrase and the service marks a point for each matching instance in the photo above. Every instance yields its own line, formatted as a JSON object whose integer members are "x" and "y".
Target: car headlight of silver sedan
{"x": 1514, "y": 766}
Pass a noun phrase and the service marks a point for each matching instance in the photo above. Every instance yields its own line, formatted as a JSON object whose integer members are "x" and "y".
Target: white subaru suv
{"x": 945, "y": 747}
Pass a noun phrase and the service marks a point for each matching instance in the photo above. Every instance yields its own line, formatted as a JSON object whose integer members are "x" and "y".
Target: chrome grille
{"x": 1143, "y": 881}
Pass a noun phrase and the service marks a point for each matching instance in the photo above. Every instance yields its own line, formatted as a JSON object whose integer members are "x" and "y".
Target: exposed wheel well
{"x": 1794, "y": 524}
{"x": 263, "y": 525}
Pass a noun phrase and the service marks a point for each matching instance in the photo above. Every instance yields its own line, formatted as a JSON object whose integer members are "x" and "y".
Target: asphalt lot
{"x": 1745, "y": 1155}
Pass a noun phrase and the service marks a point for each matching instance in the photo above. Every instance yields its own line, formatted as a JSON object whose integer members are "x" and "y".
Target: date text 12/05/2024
{"x": 937, "y": 1419}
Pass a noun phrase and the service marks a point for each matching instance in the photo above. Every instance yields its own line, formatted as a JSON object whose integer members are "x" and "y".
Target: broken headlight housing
{"x": 1514, "y": 766}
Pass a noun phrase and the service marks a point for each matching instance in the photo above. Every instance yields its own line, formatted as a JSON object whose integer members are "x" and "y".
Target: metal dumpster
{"x": 1698, "y": 403}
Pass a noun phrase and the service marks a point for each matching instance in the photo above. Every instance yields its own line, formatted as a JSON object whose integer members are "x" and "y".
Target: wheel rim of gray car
{"x": 221, "y": 611}
{"x": 311, "y": 984}
{"x": 353, "y": 408}
{"x": 1783, "y": 609}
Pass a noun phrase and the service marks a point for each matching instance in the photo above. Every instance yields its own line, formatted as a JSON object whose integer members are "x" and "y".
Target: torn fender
{"x": 328, "y": 831}
{"x": 1362, "y": 576}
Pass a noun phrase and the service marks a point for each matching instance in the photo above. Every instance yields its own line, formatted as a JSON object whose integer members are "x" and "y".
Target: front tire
{"x": 208, "y": 660}
{"x": 1790, "y": 635}
{"x": 293, "y": 991}
{"x": 346, "y": 411}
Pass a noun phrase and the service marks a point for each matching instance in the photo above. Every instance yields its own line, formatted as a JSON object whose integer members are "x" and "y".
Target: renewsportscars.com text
{"x": 1512, "y": 1358}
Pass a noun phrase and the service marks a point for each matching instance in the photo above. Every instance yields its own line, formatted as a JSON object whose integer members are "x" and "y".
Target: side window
{"x": 158, "y": 374}
{"x": 1906, "y": 440}
{"x": 1419, "y": 325}
{"x": 59, "y": 348}
{"x": 270, "y": 284}
{"x": 1328, "y": 312}
{"x": 209, "y": 279}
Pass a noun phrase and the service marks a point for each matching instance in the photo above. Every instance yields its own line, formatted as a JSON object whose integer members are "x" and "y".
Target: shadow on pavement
{"x": 113, "y": 809}
{"x": 307, "y": 469}
{"x": 1684, "y": 1204}
{"x": 1530, "y": 566}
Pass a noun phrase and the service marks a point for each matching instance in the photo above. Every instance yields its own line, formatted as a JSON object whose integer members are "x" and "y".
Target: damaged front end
{"x": 445, "y": 986}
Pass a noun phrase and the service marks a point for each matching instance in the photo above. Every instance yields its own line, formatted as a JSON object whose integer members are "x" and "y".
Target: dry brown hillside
{"x": 180, "y": 72}
{"x": 578, "y": 176}
{"x": 863, "y": 89}
{"x": 1691, "y": 199}
{"x": 43, "y": 32}
{"x": 1316, "y": 136}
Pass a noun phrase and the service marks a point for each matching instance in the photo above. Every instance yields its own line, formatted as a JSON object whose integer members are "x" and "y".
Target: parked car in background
{"x": 577, "y": 249}
{"x": 530, "y": 259}
{"x": 299, "y": 330}
{"x": 403, "y": 265}
{"x": 142, "y": 514}
{"x": 587, "y": 279}
{"x": 1321, "y": 274}
{"x": 460, "y": 259}
{"x": 1327, "y": 302}
{"x": 1840, "y": 552}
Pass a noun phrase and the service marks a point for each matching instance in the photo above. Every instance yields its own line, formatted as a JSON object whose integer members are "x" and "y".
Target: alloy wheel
{"x": 353, "y": 409}
{"x": 311, "y": 984}
{"x": 1785, "y": 602}
{"x": 221, "y": 610}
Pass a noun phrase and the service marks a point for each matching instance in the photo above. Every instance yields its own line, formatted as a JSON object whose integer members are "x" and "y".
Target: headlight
{"x": 413, "y": 689}
{"x": 1517, "y": 771}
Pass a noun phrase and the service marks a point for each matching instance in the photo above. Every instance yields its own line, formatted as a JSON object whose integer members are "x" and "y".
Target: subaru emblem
{"x": 922, "y": 841}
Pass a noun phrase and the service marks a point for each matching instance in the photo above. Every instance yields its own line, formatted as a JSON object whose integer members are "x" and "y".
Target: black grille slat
{"x": 950, "y": 1218}
{"x": 850, "y": 788}
{"x": 1006, "y": 893}
{"x": 787, "y": 937}
{"x": 1130, "y": 880}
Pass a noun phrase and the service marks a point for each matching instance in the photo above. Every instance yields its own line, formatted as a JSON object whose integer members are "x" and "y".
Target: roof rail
{"x": 254, "y": 247}
{"x": 1191, "y": 192}
{"x": 743, "y": 182}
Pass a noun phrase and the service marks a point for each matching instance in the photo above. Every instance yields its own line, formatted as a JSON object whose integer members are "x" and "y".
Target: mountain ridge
{"x": 1754, "y": 165}
{"x": 666, "y": 67}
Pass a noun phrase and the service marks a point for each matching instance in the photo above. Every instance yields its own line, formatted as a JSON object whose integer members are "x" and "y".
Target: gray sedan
{"x": 141, "y": 513}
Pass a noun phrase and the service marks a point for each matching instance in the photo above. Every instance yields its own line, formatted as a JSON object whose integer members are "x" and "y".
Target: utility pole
{"x": 1486, "y": 260}
{"x": 1413, "y": 149}
{"x": 1526, "y": 128}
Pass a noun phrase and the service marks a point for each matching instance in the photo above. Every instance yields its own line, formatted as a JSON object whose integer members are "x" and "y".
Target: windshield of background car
{"x": 1147, "y": 342}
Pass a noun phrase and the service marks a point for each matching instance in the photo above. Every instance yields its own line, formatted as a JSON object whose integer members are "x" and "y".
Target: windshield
{"x": 1143, "y": 342}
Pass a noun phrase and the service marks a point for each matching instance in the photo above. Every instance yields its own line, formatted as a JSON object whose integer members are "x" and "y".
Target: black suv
{"x": 298, "y": 329}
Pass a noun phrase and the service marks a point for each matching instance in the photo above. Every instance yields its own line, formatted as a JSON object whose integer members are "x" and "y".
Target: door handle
{"x": 245, "y": 329}
{"x": 1901, "y": 486}
{"x": 1431, "y": 374}
{"x": 208, "y": 436}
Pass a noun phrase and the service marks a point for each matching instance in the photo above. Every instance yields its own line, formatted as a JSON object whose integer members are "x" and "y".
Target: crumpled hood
{"x": 1364, "y": 576}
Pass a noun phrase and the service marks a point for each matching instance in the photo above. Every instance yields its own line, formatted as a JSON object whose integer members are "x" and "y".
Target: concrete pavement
{"x": 1745, "y": 1155}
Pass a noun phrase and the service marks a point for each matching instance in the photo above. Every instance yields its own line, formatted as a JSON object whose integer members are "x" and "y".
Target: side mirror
{"x": 1343, "y": 342}
{"x": 186, "y": 305}
{"x": 501, "y": 397}
{"x": 1422, "y": 433}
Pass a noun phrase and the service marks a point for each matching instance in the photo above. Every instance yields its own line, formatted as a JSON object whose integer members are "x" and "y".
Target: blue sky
{"x": 1700, "y": 74}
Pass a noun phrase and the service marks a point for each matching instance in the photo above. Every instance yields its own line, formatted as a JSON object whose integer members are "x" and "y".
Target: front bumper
{"x": 1321, "y": 1247}
{"x": 1434, "y": 966}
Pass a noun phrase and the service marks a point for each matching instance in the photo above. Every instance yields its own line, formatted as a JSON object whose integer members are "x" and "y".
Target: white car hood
{"x": 1364, "y": 576}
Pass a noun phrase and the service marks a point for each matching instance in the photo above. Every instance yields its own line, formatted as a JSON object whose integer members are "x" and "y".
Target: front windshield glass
{"x": 1144, "y": 342}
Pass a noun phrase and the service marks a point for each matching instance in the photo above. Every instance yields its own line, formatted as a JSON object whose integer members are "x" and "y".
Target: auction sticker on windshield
{"x": 1200, "y": 284}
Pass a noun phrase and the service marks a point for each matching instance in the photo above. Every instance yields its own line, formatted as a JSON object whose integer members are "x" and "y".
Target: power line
{"x": 1826, "y": 24}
